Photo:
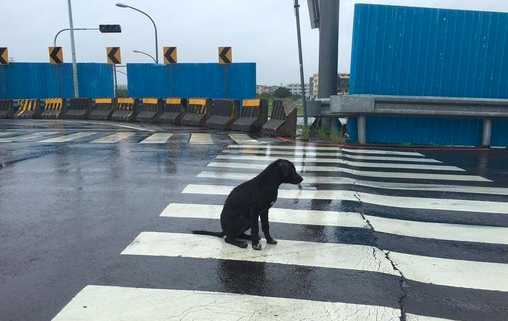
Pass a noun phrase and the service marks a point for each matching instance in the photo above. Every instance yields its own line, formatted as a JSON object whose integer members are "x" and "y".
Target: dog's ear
{"x": 284, "y": 168}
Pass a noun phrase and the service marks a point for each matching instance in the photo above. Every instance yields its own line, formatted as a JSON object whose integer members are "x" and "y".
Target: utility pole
{"x": 300, "y": 57}
{"x": 73, "y": 50}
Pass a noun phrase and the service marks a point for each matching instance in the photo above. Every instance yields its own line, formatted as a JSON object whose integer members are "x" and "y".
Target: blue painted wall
{"x": 192, "y": 80}
{"x": 428, "y": 52}
{"x": 41, "y": 80}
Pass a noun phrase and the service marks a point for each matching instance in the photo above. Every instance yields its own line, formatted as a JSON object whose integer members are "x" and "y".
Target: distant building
{"x": 262, "y": 89}
{"x": 342, "y": 84}
{"x": 296, "y": 89}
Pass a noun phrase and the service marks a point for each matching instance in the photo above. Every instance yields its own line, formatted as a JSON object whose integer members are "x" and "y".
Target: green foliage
{"x": 323, "y": 133}
{"x": 282, "y": 92}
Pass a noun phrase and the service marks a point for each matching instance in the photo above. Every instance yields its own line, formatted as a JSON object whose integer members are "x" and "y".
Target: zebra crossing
{"x": 130, "y": 137}
{"x": 358, "y": 227}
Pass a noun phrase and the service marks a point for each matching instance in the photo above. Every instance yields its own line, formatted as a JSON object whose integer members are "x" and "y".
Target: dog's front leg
{"x": 266, "y": 228}
{"x": 254, "y": 228}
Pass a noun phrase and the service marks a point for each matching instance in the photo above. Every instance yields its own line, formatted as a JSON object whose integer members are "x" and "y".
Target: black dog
{"x": 251, "y": 200}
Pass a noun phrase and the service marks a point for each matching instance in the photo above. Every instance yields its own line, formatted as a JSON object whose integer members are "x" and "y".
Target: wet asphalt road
{"x": 67, "y": 211}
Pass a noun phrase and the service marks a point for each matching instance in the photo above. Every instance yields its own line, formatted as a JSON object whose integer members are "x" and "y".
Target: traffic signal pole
{"x": 73, "y": 50}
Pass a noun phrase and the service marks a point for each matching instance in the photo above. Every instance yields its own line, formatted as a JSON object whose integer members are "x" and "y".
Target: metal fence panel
{"x": 428, "y": 52}
{"x": 42, "y": 80}
{"x": 233, "y": 81}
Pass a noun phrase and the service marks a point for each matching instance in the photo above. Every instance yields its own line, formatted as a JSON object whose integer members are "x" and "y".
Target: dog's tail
{"x": 218, "y": 234}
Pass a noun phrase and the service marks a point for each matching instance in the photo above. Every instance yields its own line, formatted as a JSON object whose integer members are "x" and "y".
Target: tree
{"x": 282, "y": 92}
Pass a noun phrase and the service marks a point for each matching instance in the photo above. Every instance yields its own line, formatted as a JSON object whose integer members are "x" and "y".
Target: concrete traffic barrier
{"x": 79, "y": 108}
{"x": 283, "y": 119}
{"x": 103, "y": 109}
{"x": 173, "y": 111}
{"x": 150, "y": 109}
{"x": 198, "y": 112}
{"x": 253, "y": 115}
{"x": 127, "y": 109}
{"x": 6, "y": 108}
{"x": 224, "y": 112}
{"x": 54, "y": 108}
{"x": 28, "y": 108}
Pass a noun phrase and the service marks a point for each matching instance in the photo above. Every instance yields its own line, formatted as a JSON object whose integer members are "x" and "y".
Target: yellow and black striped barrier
{"x": 198, "y": 112}
{"x": 150, "y": 109}
{"x": 253, "y": 115}
{"x": 28, "y": 108}
{"x": 224, "y": 112}
{"x": 54, "y": 108}
{"x": 103, "y": 108}
{"x": 6, "y": 108}
{"x": 127, "y": 109}
{"x": 173, "y": 111}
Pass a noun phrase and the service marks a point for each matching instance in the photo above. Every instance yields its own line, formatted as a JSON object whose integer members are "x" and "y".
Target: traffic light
{"x": 110, "y": 28}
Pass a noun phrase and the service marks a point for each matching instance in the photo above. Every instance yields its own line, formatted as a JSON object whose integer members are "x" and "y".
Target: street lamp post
{"x": 73, "y": 51}
{"x": 121, "y": 5}
{"x": 144, "y": 53}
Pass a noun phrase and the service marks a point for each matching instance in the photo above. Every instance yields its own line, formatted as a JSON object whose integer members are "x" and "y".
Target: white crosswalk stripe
{"x": 114, "y": 138}
{"x": 157, "y": 138}
{"x": 200, "y": 139}
{"x": 243, "y": 139}
{"x": 26, "y": 137}
{"x": 68, "y": 138}
{"x": 450, "y": 270}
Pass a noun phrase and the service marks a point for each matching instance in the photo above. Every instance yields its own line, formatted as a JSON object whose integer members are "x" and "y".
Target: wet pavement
{"x": 101, "y": 230}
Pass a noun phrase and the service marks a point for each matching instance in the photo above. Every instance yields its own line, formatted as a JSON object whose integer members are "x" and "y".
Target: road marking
{"x": 372, "y": 184}
{"x": 243, "y": 139}
{"x": 277, "y": 215}
{"x": 414, "y": 317}
{"x": 115, "y": 138}
{"x": 304, "y": 154}
{"x": 26, "y": 137}
{"x": 458, "y": 273}
{"x": 438, "y": 231}
{"x": 157, "y": 138}
{"x": 200, "y": 139}
{"x": 67, "y": 138}
{"x": 382, "y": 200}
{"x": 326, "y": 255}
{"x": 336, "y": 149}
{"x": 356, "y": 172}
{"x": 113, "y": 303}
{"x": 7, "y": 133}
{"x": 343, "y": 162}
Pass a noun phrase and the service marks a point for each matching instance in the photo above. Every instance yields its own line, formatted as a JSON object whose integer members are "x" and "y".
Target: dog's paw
{"x": 271, "y": 241}
{"x": 256, "y": 247}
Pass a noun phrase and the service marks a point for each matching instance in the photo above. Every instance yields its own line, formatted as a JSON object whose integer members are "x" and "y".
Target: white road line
{"x": 112, "y": 303}
{"x": 304, "y": 160}
{"x": 26, "y": 137}
{"x": 457, "y": 273}
{"x": 438, "y": 231}
{"x": 115, "y": 138}
{"x": 372, "y": 184}
{"x": 414, "y": 317}
{"x": 243, "y": 139}
{"x": 157, "y": 138}
{"x": 6, "y": 133}
{"x": 326, "y": 255}
{"x": 382, "y": 200}
{"x": 277, "y": 215}
{"x": 356, "y": 172}
{"x": 67, "y": 138}
{"x": 200, "y": 139}
{"x": 321, "y": 148}
{"x": 304, "y": 154}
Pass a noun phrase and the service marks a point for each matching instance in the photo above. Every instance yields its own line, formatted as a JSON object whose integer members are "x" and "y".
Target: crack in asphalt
{"x": 403, "y": 280}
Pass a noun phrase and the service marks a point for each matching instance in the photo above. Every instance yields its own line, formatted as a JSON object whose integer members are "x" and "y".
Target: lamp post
{"x": 73, "y": 51}
{"x": 144, "y": 53}
{"x": 121, "y": 5}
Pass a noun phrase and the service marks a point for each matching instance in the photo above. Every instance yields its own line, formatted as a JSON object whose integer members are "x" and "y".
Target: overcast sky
{"x": 260, "y": 31}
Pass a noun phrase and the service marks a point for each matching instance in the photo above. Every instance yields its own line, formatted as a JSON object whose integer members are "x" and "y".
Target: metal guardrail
{"x": 363, "y": 105}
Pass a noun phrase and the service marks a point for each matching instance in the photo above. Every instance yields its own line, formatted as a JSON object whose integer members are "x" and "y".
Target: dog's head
{"x": 287, "y": 172}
